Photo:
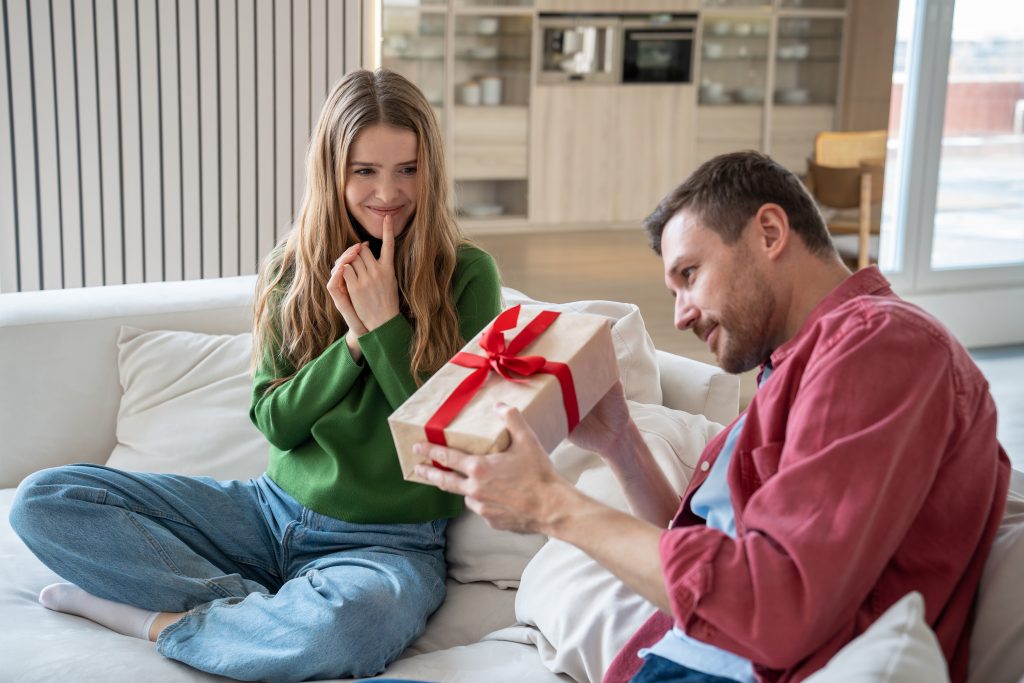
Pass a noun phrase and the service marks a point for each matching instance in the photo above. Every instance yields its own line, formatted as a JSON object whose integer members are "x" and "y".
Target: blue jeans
{"x": 273, "y": 591}
{"x": 657, "y": 669}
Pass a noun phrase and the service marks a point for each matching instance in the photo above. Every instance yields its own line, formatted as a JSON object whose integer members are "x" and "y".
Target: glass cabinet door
{"x": 734, "y": 59}
{"x": 412, "y": 43}
{"x": 807, "y": 60}
{"x": 737, "y": 3}
{"x": 493, "y": 3}
{"x": 812, "y": 4}
{"x": 492, "y": 60}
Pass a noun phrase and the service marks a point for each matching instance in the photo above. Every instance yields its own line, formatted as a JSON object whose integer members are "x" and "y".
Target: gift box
{"x": 554, "y": 367}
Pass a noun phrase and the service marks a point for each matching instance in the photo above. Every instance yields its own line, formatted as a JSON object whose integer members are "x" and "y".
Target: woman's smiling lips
{"x": 385, "y": 211}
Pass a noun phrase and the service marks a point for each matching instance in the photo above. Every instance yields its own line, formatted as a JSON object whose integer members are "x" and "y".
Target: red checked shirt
{"x": 868, "y": 467}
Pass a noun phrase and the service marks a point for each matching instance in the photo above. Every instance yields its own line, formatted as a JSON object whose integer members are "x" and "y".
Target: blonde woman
{"x": 329, "y": 564}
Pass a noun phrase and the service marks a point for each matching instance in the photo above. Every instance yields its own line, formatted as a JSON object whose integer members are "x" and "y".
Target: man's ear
{"x": 773, "y": 231}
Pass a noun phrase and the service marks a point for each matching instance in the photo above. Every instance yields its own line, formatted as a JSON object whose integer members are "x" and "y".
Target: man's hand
{"x": 371, "y": 283}
{"x": 518, "y": 489}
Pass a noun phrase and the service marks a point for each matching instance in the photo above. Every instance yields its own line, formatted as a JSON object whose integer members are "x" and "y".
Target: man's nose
{"x": 686, "y": 314}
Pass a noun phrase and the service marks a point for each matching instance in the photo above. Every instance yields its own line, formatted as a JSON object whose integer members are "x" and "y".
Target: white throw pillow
{"x": 185, "y": 407}
{"x": 898, "y": 648}
{"x": 997, "y": 653}
{"x": 583, "y": 612}
{"x": 634, "y": 348}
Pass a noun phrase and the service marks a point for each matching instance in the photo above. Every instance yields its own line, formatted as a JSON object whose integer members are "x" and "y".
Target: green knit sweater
{"x": 330, "y": 444}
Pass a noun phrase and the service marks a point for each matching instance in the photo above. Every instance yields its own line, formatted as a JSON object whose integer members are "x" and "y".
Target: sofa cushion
{"x": 583, "y": 613}
{"x": 898, "y": 648}
{"x": 185, "y": 405}
{"x": 996, "y": 651}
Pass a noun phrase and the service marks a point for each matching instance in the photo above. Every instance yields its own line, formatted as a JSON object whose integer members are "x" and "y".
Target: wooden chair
{"x": 847, "y": 172}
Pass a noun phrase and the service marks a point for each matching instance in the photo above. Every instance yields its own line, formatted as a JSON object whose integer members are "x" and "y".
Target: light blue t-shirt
{"x": 712, "y": 502}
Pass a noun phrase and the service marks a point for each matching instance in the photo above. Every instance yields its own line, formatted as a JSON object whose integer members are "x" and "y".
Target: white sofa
{"x": 106, "y": 374}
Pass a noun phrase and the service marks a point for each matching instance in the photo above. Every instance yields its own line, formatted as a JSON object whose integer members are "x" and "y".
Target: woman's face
{"x": 381, "y": 178}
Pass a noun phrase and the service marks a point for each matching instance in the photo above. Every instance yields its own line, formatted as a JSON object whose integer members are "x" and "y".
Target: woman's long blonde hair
{"x": 293, "y": 311}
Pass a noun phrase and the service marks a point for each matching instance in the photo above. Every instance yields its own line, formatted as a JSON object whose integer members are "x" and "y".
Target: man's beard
{"x": 744, "y": 335}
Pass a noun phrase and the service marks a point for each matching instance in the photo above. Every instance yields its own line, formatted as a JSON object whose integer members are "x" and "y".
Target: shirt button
{"x": 705, "y": 466}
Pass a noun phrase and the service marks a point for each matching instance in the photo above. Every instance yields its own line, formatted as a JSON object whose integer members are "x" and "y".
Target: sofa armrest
{"x": 58, "y": 361}
{"x": 698, "y": 388}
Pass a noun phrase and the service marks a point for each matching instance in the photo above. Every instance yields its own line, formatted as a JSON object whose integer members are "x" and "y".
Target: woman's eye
{"x": 363, "y": 171}
{"x": 409, "y": 170}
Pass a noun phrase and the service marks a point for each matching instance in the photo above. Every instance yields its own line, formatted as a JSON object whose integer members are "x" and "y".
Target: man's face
{"x": 720, "y": 291}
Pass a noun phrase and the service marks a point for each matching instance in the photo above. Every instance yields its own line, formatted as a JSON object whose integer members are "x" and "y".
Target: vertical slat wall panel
{"x": 317, "y": 60}
{"x": 90, "y": 169}
{"x": 209, "y": 135}
{"x": 9, "y": 274}
{"x": 284, "y": 163}
{"x": 66, "y": 100}
{"x": 144, "y": 140}
{"x": 300, "y": 98}
{"x": 188, "y": 92}
{"x": 109, "y": 92}
{"x": 133, "y": 201}
{"x": 44, "y": 106}
{"x": 228, "y": 109}
{"x": 170, "y": 149}
{"x": 247, "y": 115}
{"x": 150, "y": 137}
{"x": 25, "y": 167}
{"x": 265, "y": 139}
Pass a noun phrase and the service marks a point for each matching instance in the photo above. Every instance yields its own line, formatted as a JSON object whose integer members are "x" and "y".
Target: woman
{"x": 330, "y": 563}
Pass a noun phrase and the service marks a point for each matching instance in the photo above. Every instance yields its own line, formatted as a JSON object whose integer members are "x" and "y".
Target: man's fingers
{"x": 517, "y": 426}
{"x": 387, "y": 249}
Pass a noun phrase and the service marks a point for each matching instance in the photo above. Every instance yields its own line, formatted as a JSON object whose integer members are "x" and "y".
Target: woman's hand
{"x": 371, "y": 283}
{"x": 338, "y": 290}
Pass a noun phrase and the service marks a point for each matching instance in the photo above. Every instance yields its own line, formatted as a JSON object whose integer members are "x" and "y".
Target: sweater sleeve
{"x": 287, "y": 413}
{"x": 477, "y": 293}
{"x": 817, "y": 534}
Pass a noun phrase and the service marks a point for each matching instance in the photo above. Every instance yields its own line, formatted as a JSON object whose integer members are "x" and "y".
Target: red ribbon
{"x": 505, "y": 361}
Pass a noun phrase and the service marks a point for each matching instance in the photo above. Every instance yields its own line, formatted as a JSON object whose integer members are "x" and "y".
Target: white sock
{"x": 125, "y": 619}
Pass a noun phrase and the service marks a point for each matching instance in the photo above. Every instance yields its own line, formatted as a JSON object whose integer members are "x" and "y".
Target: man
{"x": 865, "y": 467}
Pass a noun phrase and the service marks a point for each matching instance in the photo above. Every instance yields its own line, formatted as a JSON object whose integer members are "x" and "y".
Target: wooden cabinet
{"x": 769, "y": 75}
{"x": 625, "y": 6}
{"x": 607, "y": 154}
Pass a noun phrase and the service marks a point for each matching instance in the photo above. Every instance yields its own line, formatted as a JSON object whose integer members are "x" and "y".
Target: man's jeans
{"x": 273, "y": 590}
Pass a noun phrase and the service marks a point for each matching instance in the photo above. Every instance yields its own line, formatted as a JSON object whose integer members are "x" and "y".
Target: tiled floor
{"x": 618, "y": 265}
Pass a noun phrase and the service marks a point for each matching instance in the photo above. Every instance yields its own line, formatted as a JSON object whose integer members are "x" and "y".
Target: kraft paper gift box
{"x": 547, "y": 344}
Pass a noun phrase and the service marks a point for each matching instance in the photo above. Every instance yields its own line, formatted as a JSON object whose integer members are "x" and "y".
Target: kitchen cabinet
{"x": 621, "y": 6}
{"x": 769, "y": 73}
{"x": 607, "y": 154}
{"x": 472, "y": 60}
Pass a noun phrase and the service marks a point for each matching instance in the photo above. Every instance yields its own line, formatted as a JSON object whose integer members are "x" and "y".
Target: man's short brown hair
{"x": 725, "y": 192}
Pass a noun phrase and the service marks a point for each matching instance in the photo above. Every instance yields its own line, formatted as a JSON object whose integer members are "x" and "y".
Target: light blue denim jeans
{"x": 273, "y": 591}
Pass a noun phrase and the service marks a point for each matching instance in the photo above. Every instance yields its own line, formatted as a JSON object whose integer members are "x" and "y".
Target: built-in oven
{"x": 658, "y": 48}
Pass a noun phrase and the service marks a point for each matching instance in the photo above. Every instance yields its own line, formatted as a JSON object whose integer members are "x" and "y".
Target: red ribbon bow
{"x": 505, "y": 361}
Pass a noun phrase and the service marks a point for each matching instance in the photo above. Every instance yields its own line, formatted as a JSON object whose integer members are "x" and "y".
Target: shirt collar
{"x": 867, "y": 281}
